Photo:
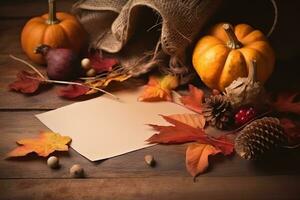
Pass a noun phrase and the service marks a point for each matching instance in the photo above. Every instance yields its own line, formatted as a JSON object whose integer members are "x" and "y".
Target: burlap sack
{"x": 146, "y": 33}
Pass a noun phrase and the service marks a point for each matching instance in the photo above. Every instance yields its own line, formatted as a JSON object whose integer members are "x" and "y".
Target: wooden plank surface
{"x": 18, "y": 9}
{"x": 170, "y": 159}
{"x": 171, "y": 188}
{"x": 127, "y": 176}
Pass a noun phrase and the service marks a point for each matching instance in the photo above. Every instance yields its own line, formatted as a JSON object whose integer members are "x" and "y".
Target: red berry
{"x": 244, "y": 115}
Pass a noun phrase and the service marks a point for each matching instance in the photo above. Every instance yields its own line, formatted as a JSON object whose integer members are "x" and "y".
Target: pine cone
{"x": 217, "y": 111}
{"x": 260, "y": 136}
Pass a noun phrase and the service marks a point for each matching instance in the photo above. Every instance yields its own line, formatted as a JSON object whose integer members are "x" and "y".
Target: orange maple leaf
{"x": 194, "y": 99}
{"x": 197, "y": 157}
{"x": 193, "y": 120}
{"x": 188, "y": 131}
{"x": 159, "y": 88}
{"x": 43, "y": 145}
{"x": 179, "y": 133}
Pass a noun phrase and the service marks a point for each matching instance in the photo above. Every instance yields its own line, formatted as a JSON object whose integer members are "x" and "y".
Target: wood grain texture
{"x": 16, "y": 9}
{"x": 171, "y": 188}
{"x": 47, "y": 99}
{"x": 127, "y": 176}
{"x": 170, "y": 159}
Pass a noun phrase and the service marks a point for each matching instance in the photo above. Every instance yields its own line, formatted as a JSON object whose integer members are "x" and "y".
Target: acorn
{"x": 76, "y": 171}
{"x": 86, "y": 63}
{"x": 149, "y": 159}
{"x": 53, "y": 162}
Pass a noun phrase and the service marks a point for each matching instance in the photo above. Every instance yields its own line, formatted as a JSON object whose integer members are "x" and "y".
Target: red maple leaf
{"x": 101, "y": 64}
{"x": 72, "y": 91}
{"x": 224, "y": 144}
{"x": 285, "y": 102}
{"x": 182, "y": 133}
{"x": 27, "y": 82}
{"x": 194, "y": 99}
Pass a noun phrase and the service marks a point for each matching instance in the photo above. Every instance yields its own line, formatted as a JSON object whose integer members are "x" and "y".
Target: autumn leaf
{"x": 101, "y": 64}
{"x": 224, "y": 144}
{"x": 190, "y": 130}
{"x": 285, "y": 102}
{"x": 194, "y": 120}
{"x": 104, "y": 82}
{"x": 177, "y": 134}
{"x": 291, "y": 129}
{"x": 194, "y": 99}
{"x": 159, "y": 88}
{"x": 26, "y": 82}
{"x": 43, "y": 145}
{"x": 197, "y": 157}
{"x": 73, "y": 91}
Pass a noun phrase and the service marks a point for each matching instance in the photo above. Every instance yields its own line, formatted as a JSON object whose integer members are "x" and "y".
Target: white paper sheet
{"x": 101, "y": 128}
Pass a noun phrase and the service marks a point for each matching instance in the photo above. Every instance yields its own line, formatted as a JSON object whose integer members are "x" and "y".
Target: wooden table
{"x": 123, "y": 177}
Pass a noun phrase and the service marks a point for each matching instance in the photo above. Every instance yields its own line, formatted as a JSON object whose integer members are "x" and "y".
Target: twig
{"x": 29, "y": 65}
{"x": 275, "y": 18}
{"x": 81, "y": 84}
{"x": 59, "y": 82}
{"x": 292, "y": 147}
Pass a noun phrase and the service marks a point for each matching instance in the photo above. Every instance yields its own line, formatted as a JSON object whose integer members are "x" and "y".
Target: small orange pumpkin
{"x": 53, "y": 29}
{"x": 225, "y": 54}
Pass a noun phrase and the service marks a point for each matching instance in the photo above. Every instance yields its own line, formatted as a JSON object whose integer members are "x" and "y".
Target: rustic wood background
{"x": 127, "y": 176}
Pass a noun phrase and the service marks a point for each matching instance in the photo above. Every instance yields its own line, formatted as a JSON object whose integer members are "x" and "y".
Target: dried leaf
{"x": 159, "y": 88}
{"x": 194, "y": 99}
{"x": 26, "y": 82}
{"x": 182, "y": 133}
{"x": 285, "y": 102}
{"x": 179, "y": 133}
{"x": 292, "y": 129}
{"x": 104, "y": 82}
{"x": 101, "y": 64}
{"x": 73, "y": 91}
{"x": 43, "y": 145}
{"x": 197, "y": 157}
{"x": 224, "y": 144}
{"x": 193, "y": 120}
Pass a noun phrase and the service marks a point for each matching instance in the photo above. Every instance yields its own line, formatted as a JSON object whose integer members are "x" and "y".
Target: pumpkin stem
{"x": 52, "y": 13}
{"x": 233, "y": 42}
{"x": 252, "y": 71}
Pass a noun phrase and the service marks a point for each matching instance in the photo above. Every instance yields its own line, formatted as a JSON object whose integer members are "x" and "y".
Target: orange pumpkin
{"x": 225, "y": 54}
{"x": 53, "y": 29}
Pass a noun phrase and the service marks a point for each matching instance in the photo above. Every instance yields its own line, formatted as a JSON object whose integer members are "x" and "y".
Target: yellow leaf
{"x": 43, "y": 145}
{"x": 197, "y": 157}
{"x": 159, "y": 88}
{"x": 193, "y": 120}
{"x": 102, "y": 83}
